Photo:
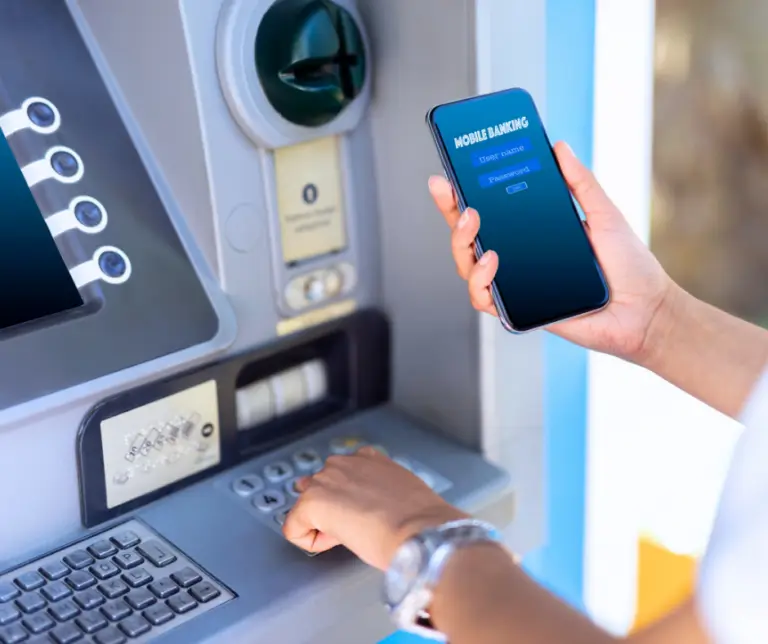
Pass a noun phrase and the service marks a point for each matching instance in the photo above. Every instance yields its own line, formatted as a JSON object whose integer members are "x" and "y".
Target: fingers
{"x": 595, "y": 203}
{"x": 479, "y": 281}
{"x": 445, "y": 199}
{"x": 463, "y": 242}
{"x": 300, "y": 529}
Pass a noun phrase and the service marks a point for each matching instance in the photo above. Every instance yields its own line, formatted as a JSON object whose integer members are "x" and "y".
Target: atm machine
{"x": 236, "y": 190}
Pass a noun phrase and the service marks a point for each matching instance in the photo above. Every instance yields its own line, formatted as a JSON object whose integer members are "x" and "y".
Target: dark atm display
{"x": 34, "y": 280}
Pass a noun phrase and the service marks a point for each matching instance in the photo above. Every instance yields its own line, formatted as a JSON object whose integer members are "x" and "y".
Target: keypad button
{"x": 134, "y": 626}
{"x": 269, "y": 501}
{"x": 126, "y": 539}
{"x": 109, "y": 636}
{"x": 137, "y": 577}
{"x": 66, "y": 634}
{"x": 13, "y": 634}
{"x": 38, "y": 623}
{"x": 427, "y": 478}
{"x": 204, "y": 592}
{"x": 80, "y": 580}
{"x": 54, "y": 570}
{"x": 31, "y": 602}
{"x": 31, "y": 580}
{"x": 91, "y": 622}
{"x": 346, "y": 445}
{"x": 8, "y": 614}
{"x": 56, "y": 591}
{"x": 157, "y": 553}
{"x": 163, "y": 588}
{"x": 78, "y": 559}
{"x": 247, "y": 485}
{"x": 115, "y": 610}
{"x": 281, "y": 517}
{"x": 140, "y": 599}
{"x": 182, "y": 603}
{"x": 102, "y": 549}
{"x": 8, "y": 592}
{"x": 278, "y": 472}
{"x": 64, "y": 610}
{"x": 404, "y": 463}
{"x": 104, "y": 570}
{"x": 89, "y": 599}
{"x": 113, "y": 589}
{"x": 307, "y": 460}
{"x": 291, "y": 489}
{"x": 128, "y": 559}
{"x": 186, "y": 577}
{"x": 158, "y": 615}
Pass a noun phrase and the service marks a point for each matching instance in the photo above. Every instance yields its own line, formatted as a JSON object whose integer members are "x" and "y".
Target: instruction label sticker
{"x": 310, "y": 199}
{"x": 316, "y": 317}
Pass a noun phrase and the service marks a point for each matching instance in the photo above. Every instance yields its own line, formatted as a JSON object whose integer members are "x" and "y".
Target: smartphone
{"x": 499, "y": 159}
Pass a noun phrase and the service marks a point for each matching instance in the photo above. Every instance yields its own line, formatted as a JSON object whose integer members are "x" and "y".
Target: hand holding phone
{"x": 500, "y": 162}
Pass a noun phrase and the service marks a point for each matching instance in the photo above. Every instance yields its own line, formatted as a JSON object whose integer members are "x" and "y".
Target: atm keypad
{"x": 273, "y": 497}
{"x": 124, "y": 584}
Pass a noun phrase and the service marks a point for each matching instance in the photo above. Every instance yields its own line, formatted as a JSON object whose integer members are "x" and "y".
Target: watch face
{"x": 403, "y": 572}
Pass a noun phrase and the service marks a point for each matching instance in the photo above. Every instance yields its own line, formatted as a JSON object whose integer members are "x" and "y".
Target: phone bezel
{"x": 478, "y": 247}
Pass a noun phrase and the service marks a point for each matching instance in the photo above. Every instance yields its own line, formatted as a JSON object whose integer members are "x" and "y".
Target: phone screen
{"x": 501, "y": 163}
{"x": 34, "y": 280}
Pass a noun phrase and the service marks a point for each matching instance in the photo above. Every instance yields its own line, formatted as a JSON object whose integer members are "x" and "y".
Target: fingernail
{"x": 485, "y": 259}
{"x": 569, "y": 148}
{"x": 464, "y": 219}
{"x": 433, "y": 181}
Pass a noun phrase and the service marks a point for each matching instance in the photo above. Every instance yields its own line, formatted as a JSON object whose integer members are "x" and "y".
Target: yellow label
{"x": 310, "y": 199}
{"x": 313, "y": 318}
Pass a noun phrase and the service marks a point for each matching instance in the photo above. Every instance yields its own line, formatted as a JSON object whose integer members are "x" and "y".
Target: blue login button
{"x": 510, "y": 173}
{"x": 518, "y": 187}
{"x": 500, "y": 152}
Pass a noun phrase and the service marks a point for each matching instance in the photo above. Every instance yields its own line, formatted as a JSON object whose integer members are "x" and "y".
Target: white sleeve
{"x": 733, "y": 578}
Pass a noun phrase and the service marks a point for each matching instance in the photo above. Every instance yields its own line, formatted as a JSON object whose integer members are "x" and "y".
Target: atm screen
{"x": 34, "y": 280}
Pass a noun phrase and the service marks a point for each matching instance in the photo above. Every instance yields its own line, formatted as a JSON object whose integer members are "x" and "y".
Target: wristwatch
{"x": 416, "y": 569}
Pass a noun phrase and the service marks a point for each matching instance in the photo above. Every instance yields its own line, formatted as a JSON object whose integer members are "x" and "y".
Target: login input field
{"x": 509, "y": 173}
{"x": 483, "y": 157}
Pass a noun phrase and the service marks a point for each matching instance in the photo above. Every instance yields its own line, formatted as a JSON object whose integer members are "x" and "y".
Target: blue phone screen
{"x": 504, "y": 167}
{"x": 34, "y": 280}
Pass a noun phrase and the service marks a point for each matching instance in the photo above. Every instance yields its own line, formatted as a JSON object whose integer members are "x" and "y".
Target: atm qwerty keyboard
{"x": 124, "y": 584}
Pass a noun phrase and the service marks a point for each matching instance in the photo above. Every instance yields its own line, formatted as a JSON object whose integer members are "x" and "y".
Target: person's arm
{"x": 706, "y": 352}
{"x": 485, "y": 598}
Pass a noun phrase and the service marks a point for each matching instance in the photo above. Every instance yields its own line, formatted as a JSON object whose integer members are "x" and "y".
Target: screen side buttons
{"x": 84, "y": 213}
{"x": 36, "y": 113}
{"x": 109, "y": 264}
{"x": 60, "y": 163}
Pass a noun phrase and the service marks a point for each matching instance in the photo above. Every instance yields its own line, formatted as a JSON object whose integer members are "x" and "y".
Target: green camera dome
{"x": 310, "y": 58}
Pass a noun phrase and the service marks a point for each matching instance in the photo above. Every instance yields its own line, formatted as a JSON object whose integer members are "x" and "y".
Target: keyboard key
{"x": 128, "y": 559}
{"x": 38, "y": 623}
{"x": 80, "y": 580}
{"x": 182, "y": 603}
{"x": 114, "y": 611}
{"x": 91, "y": 622}
{"x": 157, "y": 553}
{"x": 64, "y": 610}
{"x": 113, "y": 589}
{"x": 31, "y": 602}
{"x": 13, "y": 634}
{"x": 126, "y": 539}
{"x": 54, "y": 570}
{"x": 78, "y": 559}
{"x": 31, "y": 580}
{"x": 102, "y": 549}
{"x": 204, "y": 592}
{"x": 157, "y": 615}
{"x": 89, "y": 599}
{"x": 8, "y": 592}
{"x": 163, "y": 588}
{"x": 56, "y": 591}
{"x": 134, "y": 626}
{"x": 104, "y": 570}
{"x": 110, "y": 636}
{"x": 137, "y": 577}
{"x": 140, "y": 599}
{"x": 66, "y": 634}
{"x": 186, "y": 577}
{"x": 8, "y": 614}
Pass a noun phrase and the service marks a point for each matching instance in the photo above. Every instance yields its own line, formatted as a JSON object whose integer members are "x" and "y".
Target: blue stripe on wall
{"x": 570, "y": 86}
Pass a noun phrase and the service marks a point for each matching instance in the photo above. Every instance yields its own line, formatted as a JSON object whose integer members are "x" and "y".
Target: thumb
{"x": 597, "y": 206}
